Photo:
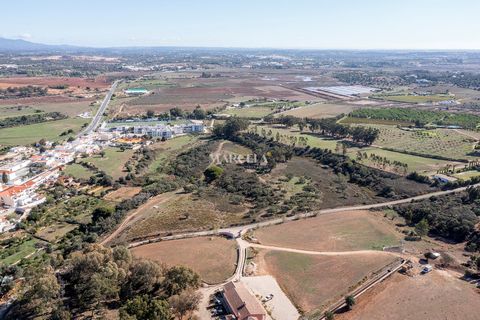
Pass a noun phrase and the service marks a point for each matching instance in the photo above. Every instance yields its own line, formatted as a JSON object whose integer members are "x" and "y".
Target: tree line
{"x": 30, "y": 119}
{"x": 330, "y": 127}
{"x": 22, "y": 92}
{"x": 418, "y": 117}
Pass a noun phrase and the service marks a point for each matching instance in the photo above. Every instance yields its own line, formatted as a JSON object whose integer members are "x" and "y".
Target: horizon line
{"x": 79, "y": 46}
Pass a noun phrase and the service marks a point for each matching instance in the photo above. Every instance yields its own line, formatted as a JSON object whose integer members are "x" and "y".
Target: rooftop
{"x": 244, "y": 305}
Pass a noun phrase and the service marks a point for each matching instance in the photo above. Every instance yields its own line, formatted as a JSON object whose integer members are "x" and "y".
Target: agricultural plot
{"x": 49, "y": 130}
{"x": 410, "y": 98}
{"x": 467, "y": 174}
{"x": 17, "y": 251}
{"x": 414, "y": 163}
{"x": 314, "y": 282}
{"x": 437, "y": 295}
{"x": 255, "y": 112}
{"x": 113, "y": 162}
{"x": 438, "y": 142}
{"x": 213, "y": 258}
{"x": 293, "y": 135}
{"x": 188, "y": 91}
{"x": 343, "y": 231}
{"x": 71, "y": 109}
{"x": 149, "y": 84}
{"x": 122, "y": 193}
{"x": 320, "y": 110}
{"x": 17, "y": 111}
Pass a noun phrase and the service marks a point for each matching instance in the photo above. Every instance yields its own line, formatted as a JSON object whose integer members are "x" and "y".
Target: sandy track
{"x": 164, "y": 197}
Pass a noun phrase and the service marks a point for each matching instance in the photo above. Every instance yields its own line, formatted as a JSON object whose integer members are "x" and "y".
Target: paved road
{"x": 98, "y": 116}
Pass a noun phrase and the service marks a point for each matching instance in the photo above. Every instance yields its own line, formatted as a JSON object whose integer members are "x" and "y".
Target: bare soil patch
{"x": 342, "y": 231}
{"x": 213, "y": 258}
{"x": 437, "y": 295}
{"x": 314, "y": 282}
{"x": 122, "y": 193}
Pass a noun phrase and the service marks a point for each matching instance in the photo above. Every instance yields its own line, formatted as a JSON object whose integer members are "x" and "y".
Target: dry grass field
{"x": 181, "y": 213}
{"x": 437, "y": 295}
{"x": 113, "y": 162}
{"x": 342, "y": 231}
{"x": 320, "y": 110}
{"x": 213, "y": 258}
{"x": 314, "y": 282}
{"x": 122, "y": 193}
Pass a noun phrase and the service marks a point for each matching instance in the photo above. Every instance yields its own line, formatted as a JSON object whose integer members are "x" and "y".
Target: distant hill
{"x": 15, "y": 45}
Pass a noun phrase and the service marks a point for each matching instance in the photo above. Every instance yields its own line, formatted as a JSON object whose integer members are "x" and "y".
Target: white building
{"x": 15, "y": 170}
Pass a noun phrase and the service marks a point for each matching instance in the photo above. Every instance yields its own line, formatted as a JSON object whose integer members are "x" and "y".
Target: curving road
{"x": 98, "y": 116}
{"x": 239, "y": 230}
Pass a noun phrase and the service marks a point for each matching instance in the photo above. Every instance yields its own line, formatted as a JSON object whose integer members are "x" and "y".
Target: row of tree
{"x": 30, "y": 119}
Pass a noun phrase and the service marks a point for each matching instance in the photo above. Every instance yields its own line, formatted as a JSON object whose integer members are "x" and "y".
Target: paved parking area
{"x": 280, "y": 306}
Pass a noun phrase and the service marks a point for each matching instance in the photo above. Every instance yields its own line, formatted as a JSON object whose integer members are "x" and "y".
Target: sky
{"x": 306, "y": 24}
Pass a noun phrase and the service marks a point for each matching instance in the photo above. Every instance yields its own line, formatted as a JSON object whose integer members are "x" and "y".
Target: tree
{"x": 350, "y": 301}
{"x": 41, "y": 295}
{"x": 184, "y": 303}
{"x": 231, "y": 127}
{"x": 199, "y": 113}
{"x": 179, "y": 278}
{"x": 102, "y": 153}
{"x": 144, "y": 277}
{"x": 176, "y": 112}
{"x": 422, "y": 228}
{"x": 145, "y": 308}
{"x": 329, "y": 315}
{"x": 212, "y": 173}
{"x": 150, "y": 114}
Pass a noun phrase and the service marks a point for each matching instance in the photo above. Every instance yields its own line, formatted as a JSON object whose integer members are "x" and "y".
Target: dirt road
{"x": 162, "y": 199}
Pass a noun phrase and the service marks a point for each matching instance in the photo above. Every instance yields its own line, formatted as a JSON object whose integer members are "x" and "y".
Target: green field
{"x": 351, "y": 120}
{"x": 29, "y": 134}
{"x": 415, "y": 163}
{"x": 437, "y": 142}
{"x": 251, "y": 112}
{"x": 113, "y": 162}
{"x": 388, "y": 138}
{"x": 78, "y": 171}
{"x": 18, "y": 252}
{"x": 467, "y": 174}
{"x": 17, "y": 111}
{"x": 313, "y": 141}
{"x": 165, "y": 149}
{"x": 410, "y": 98}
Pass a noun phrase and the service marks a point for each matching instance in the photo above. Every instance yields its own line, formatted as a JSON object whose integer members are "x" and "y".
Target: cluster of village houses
{"x": 25, "y": 169}
{"x": 152, "y": 129}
